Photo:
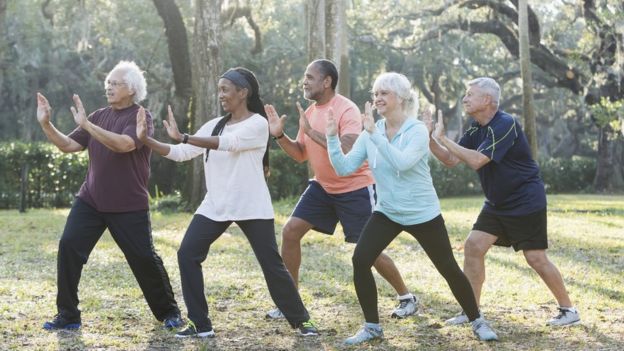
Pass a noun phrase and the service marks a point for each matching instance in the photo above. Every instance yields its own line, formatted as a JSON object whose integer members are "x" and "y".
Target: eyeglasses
{"x": 114, "y": 84}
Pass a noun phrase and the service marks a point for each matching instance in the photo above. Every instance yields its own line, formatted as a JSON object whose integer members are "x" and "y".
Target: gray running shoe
{"x": 461, "y": 318}
{"x": 275, "y": 314}
{"x": 363, "y": 335}
{"x": 482, "y": 330}
{"x": 566, "y": 317}
{"x": 407, "y": 307}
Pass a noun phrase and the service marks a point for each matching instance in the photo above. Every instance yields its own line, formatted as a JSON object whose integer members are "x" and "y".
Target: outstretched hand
{"x": 428, "y": 120}
{"x": 304, "y": 124}
{"x": 368, "y": 121}
{"x": 276, "y": 123}
{"x": 80, "y": 116}
{"x": 171, "y": 126}
{"x": 439, "y": 131}
{"x": 141, "y": 125}
{"x": 43, "y": 109}
{"x": 332, "y": 126}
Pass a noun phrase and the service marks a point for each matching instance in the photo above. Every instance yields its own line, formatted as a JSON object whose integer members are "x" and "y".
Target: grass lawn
{"x": 586, "y": 242}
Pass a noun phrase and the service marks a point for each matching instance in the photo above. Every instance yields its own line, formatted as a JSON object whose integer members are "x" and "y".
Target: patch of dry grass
{"x": 587, "y": 244}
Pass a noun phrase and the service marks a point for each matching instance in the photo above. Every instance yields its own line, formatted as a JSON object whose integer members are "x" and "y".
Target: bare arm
{"x": 115, "y": 142}
{"x": 451, "y": 153}
{"x": 276, "y": 128}
{"x": 60, "y": 140}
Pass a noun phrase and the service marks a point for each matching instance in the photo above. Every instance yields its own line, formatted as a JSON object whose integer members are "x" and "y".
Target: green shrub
{"x": 570, "y": 175}
{"x": 288, "y": 178}
{"x": 52, "y": 178}
{"x": 460, "y": 180}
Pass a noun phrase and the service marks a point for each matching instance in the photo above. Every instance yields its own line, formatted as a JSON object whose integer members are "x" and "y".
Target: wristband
{"x": 279, "y": 136}
{"x": 185, "y": 138}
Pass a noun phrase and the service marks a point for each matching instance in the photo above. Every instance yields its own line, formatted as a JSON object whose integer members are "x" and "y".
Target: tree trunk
{"x": 316, "y": 29}
{"x": 527, "y": 80}
{"x": 337, "y": 46}
{"x": 178, "y": 47}
{"x": 206, "y": 62}
{"x": 610, "y": 168}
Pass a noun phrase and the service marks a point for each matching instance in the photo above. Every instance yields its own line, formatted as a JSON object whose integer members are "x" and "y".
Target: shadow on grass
{"x": 70, "y": 340}
{"x": 615, "y": 295}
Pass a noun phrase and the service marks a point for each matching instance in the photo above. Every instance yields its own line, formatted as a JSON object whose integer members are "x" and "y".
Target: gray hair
{"x": 489, "y": 86}
{"x": 401, "y": 86}
{"x": 133, "y": 77}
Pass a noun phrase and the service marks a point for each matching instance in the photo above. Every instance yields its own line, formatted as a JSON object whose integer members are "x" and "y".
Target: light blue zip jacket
{"x": 405, "y": 191}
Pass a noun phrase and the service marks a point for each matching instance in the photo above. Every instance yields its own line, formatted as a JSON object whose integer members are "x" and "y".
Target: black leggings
{"x": 201, "y": 233}
{"x": 432, "y": 236}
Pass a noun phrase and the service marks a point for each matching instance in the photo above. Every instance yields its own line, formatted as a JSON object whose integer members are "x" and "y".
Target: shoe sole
{"x": 71, "y": 326}
{"x": 308, "y": 334}
{"x": 198, "y": 335}
{"x": 394, "y": 315}
{"x": 565, "y": 325}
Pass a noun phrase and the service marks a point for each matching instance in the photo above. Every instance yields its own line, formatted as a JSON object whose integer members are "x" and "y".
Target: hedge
{"x": 54, "y": 177}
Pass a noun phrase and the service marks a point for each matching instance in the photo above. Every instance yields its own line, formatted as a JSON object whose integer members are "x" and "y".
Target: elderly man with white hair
{"x": 114, "y": 196}
{"x": 514, "y": 212}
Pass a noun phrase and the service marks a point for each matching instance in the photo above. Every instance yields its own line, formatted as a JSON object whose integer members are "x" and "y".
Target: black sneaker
{"x": 192, "y": 331}
{"x": 61, "y": 323}
{"x": 174, "y": 321}
{"x": 308, "y": 328}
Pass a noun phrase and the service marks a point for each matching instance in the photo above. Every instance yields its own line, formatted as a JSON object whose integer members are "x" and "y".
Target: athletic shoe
{"x": 566, "y": 317}
{"x": 308, "y": 328}
{"x": 275, "y": 314}
{"x": 365, "y": 334}
{"x": 482, "y": 330}
{"x": 61, "y": 323}
{"x": 192, "y": 331}
{"x": 174, "y": 321}
{"x": 460, "y": 318}
{"x": 407, "y": 307}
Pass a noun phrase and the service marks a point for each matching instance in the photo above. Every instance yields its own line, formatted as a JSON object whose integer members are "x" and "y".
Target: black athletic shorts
{"x": 526, "y": 232}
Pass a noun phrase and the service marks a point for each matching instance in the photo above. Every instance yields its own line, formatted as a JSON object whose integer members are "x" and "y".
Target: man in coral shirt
{"x": 329, "y": 198}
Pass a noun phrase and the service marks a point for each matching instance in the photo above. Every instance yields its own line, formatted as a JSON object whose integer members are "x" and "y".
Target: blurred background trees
{"x": 61, "y": 47}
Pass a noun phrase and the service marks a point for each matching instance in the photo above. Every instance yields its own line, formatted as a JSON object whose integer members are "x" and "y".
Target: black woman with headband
{"x": 234, "y": 149}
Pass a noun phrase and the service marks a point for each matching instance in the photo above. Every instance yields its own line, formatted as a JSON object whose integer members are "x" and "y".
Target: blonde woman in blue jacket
{"x": 397, "y": 150}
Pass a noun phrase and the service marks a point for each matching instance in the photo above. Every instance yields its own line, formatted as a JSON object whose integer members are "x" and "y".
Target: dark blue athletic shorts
{"x": 323, "y": 210}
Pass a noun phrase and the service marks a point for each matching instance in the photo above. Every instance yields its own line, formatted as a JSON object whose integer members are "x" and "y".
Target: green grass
{"x": 586, "y": 243}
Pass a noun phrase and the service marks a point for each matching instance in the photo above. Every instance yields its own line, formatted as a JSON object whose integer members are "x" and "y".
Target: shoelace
{"x": 308, "y": 324}
{"x": 562, "y": 313}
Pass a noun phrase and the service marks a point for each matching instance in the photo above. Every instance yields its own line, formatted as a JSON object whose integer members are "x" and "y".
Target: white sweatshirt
{"x": 236, "y": 188}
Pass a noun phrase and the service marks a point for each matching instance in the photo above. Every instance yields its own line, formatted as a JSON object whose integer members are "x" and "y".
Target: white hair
{"x": 489, "y": 86}
{"x": 133, "y": 77}
{"x": 401, "y": 86}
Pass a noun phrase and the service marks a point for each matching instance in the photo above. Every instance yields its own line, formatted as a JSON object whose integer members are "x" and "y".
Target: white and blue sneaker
{"x": 366, "y": 333}
{"x": 482, "y": 329}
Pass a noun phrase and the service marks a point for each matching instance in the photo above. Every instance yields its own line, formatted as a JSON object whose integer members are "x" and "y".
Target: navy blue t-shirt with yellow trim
{"x": 511, "y": 180}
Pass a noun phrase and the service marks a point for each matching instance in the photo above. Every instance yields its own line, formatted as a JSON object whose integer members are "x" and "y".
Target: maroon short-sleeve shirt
{"x": 115, "y": 182}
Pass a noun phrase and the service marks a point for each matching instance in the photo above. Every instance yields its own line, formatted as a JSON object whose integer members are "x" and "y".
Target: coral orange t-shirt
{"x": 349, "y": 121}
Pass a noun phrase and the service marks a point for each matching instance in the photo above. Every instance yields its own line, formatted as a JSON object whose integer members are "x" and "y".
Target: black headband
{"x": 237, "y": 78}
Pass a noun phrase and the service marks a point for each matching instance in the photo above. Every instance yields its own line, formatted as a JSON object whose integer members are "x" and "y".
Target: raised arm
{"x": 349, "y": 163}
{"x": 276, "y": 127}
{"x": 180, "y": 152}
{"x": 450, "y": 153}
{"x": 60, "y": 140}
{"x": 116, "y": 142}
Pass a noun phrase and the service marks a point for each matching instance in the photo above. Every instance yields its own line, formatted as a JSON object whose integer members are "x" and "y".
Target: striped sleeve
{"x": 500, "y": 137}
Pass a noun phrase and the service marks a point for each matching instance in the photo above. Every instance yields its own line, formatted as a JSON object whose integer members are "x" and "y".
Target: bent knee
{"x": 536, "y": 258}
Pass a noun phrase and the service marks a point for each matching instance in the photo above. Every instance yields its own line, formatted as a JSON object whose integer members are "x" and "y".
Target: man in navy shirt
{"x": 514, "y": 213}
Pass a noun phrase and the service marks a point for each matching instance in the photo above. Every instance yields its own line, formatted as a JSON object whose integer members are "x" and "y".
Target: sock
{"x": 374, "y": 326}
{"x": 570, "y": 309}
{"x": 406, "y": 296}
